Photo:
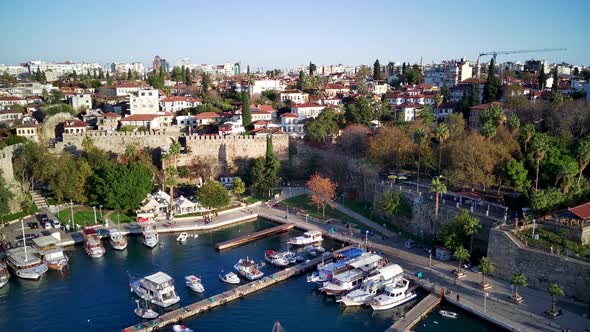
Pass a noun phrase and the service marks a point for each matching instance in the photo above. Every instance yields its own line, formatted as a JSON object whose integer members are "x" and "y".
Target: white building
{"x": 378, "y": 89}
{"x": 291, "y": 125}
{"x": 29, "y": 89}
{"x": 81, "y": 101}
{"x": 7, "y": 101}
{"x": 144, "y": 102}
{"x": 178, "y": 103}
{"x": 448, "y": 73}
{"x": 294, "y": 96}
{"x": 408, "y": 111}
{"x": 120, "y": 90}
{"x": 262, "y": 85}
{"x": 307, "y": 110}
{"x": 231, "y": 128}
{"x": 64, "y": 68}
{"x": 13, "y": 70}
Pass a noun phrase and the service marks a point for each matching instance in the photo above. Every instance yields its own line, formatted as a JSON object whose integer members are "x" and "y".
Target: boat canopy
{"x": 364, "y": 260}
{"x": 391, "y": 271}
{"x": 45, "y": 241}
{"x": 352, "y": 252}
{"x": 159, "y": 278}
{"x": 312, "y": 233}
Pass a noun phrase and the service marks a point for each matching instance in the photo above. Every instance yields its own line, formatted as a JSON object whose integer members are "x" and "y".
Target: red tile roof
{"x": 582, "y": 211}
{"x": 75, "y": 124}
{"x": 308, "y": 104}
{"x": 188, "y": 99}
{"x": 409, "y": 105}
{"x": 140, "y": 117}
{"x": 8, "y": 98}
{"x": 208, "y": 115}
{"x": 112, "y": 115}
{"x": 288, "y": 115}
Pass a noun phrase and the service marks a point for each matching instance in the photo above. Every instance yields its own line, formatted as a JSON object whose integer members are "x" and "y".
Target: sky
{"x": 283, "y": 34}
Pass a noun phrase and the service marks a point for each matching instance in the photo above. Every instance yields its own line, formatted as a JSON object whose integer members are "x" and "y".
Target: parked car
{"x": 42, "y": 217}
{"x": 56, "y": 224}
{"x": 33, "y": 225}
{"x": 45, "y": 233}
{"x": 47, "y": 225}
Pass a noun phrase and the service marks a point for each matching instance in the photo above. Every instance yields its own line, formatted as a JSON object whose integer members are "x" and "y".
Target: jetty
{"x": 253, "y": 236}
{"x": 178, "y": 315}
{"x": 416, "y": 314}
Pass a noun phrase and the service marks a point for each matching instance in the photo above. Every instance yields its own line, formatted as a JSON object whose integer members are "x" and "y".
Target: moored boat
{"x": 292, "y": 257}
{"x": 180, "y": 328}
{"x": 145, "y": 313}
{"x": 182, "y": 237}
{"x": 92, "y": 244}
{"x": 157, "y": 288}
{"x": 275, "y": 258}
{"x": 248, "y": 269}
{"x": 395, "y": 294}
{"x": 308, "y": 237}
{"x": 352, "y": 275}
{"x": 150, "y": 237}
{"x": 194, "y": 283}
{"x": 4, "y": 275}
{"x": 314, "y": 250}
{"x": 26, "y": 263}
{"x": 51, "y": 252}
{"x": 448, "y": 314}
{"x": 230, "y": 278}
{"x": 117, "y": 239}
{"x": 372, "y": 285}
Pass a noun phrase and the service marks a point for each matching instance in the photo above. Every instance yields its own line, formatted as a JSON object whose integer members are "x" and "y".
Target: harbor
{"x": 253, "y": 237}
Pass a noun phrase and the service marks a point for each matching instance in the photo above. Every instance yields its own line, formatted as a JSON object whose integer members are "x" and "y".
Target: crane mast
{"x": 494, "y": 54}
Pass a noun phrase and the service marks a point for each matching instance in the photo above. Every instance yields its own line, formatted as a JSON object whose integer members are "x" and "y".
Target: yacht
{"x": 93, "y": 245}
{"x": 275, "y": 258}
{"x": 150, "y": 237}
{"x": 4, "y": 275}
{"x": 248, "y": 269}
{"x": 395, "y": 294}
{"x": 117, "y": 239}
{"x": 353, "y": 275}
{"x": 230, "y": 278}
{"x": 52, "y": 253}
{"x": 448, "y": 314}
{"x": 25, "y": 263}
{"x": 157, "y": 288}
{"x": 372, "y": 285}
{"x": 194, "y": 283}
{"x": 309, "y": 237}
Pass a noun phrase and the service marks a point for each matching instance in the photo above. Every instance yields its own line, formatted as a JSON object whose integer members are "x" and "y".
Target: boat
{"x": 150, "y": 237}
{"x": 248, "y": 269}
{"x": 448, "y": 314}
{"x": 314, "y": 250}
{"x": 51, "y": 252}
{"x": 352, "y": 275}
{"x": 292, "y": 257}
{"x": 117, "y": 239}
{"x": 372, "y": 285}
{"x": 92, "y": 244}
{"x": 275, "y": 258}
{"x": 157, "y": 288}
{"x": 4, "y": 275}
{"x": 325, "y": 271}
{"x": 182, "y": 237}
{"x": 145, "y": 313}
{"x": 230, "y": 278}
{"x": 308, "y": 237}
{"x": 180, "y": 328}
{"x": 194, "y": 283}
{"x": 395, "y": 294}
{"x": 26, "y": 263}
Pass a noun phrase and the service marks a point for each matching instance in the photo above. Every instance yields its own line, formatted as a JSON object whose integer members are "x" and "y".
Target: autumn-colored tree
{"x": 354, "y": 139}
{"x": 323, "y": 191}
{"x": 391, "y": 147}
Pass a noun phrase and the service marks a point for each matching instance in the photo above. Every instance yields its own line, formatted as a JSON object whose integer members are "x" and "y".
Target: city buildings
{"x": 144, "y": 102}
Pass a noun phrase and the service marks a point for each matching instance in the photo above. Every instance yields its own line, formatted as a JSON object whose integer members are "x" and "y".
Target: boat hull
{"x": 35, "y": 274}
{"x": 57, "y": 264}
{"x": 393, "y": 304}
{"x": 150, "y": 244}
{"x": 150, "y": 299}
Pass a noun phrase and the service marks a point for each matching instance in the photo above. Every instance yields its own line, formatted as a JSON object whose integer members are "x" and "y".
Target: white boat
{"x": 194, "y": 283}
{"x": 4, "y": 275}
{"x": 448, "y": 314}
{"x": 352, "y": 275}
{"x": 150, "y": 237}
{"x": 145, "y": 313}
{"x": 248, "y": 269}
{"x": 230, "y": 278}
{"x": 314, "y": 250}
{"x": 93, "y": 246}
{"x": 117, "y": 239}
{"x": 157, "y": 288}
{"x": 372, "y": 285}
{"x": 395, "y": 294}
{"x": 275, "y": 258}
{"x": 52, "y": 253}
{"x": 180, "y": 328}
{"x": 308, "y": 237}
{"x": 182, "y": 237}
{"x": 26, "y": 263}
{"x": 292, "y": 257}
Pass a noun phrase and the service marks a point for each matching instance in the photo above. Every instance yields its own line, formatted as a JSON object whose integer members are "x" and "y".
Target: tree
{"x": 129, "y": 75}
{"x": 491, "y": 89}
{"x": 156, "y": 81}
{"x": 441, "y": 133}
{"x": 538, "y": 148}
{"x": 528, "y": 133}
{"x": 265, "y": 172}
{"x": 488, "y": 130}
{"x": 5, "y": 196}
{"x": 188, "y": 80}
{"x": 377, "y": 71}
{"x": 486, "y": 267}
{"x": 420, "y": 137}
{"x": 516, "y": 174}
{"x": 554, "y": 291}
{"x": 120, "y": 186}
{"x": 312, "y": 68}
{"x": 518, "y": 280}
{"x": 437, "y": 187}
{"x": 205, "y": 82}
{"x": 470, "y": 225}
{"x": 391, "y": 147}
{"x": 323, "y": 191}
{"x": 583, "y": 155}
{"x": 325, "y": 125}
{"x": 359, "y": 112}
{"x": 461, "y": 255}
{"x": 555, "y": 86}
{"x": 427, "y": 115}
{"x": 213, "y": 195}
{"x": 513, "y": 122}
{"x": 171, "y": 171}
{"x": 239, "y": 187}
{"x": 246, "y": 115}
{"x": 56, "y": 96}
{"x": 542, "y": 79}
{"x": 392, "y": 203}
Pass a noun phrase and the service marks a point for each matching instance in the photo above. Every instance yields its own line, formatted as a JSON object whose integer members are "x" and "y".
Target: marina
{"x": 253, "y": 237}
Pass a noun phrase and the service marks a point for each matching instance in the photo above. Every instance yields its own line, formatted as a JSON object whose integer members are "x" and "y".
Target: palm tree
{"x": 513, "y": 123}
{"x": 528, "y": 132}
{"x": 471, "y": 226}
{"x": 420, "y": 137}
{"x": 554, "y": 290}
{"x": 461, "y": 255}
{"x": 437, "y": 187}
{"x": 486, "y": 267}
{"x": 539, "y": 149}
{"x": 583, "y": 156}
{"x": 518, "y": 280}
{"x": 441, "y": 133}
{"x": 171, "y": 172}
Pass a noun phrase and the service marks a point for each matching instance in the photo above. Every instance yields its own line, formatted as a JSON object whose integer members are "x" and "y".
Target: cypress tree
{"x": 37, "y": 75}
{"x": 188, "y": 80}
{"x": 100, "y": 74}
{"x": 377, "y": 71}
{"x": 491, "y": 89}
{"x": 129, "y": 75}
{"x": 542, "y": 79}
{"x": 248, "y": 70}
{"x": 94, "y": 73}
{"x": 246, "y": 115}
{"x": 269, "y": 149}
{"x": 43, "y": 77}
{"x": 555, "y": 86}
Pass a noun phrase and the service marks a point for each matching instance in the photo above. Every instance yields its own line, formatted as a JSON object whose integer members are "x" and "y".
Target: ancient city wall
{"x": 541, "y": 268}
{"x": 6, "y": 155}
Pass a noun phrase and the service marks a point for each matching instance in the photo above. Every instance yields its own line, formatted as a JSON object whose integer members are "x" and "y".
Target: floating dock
{"x": 416, "y": 314}
{"x": 178, "y": 315}
{"x": 253, "y": 236}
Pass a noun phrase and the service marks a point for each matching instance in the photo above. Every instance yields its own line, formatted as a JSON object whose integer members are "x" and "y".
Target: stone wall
{"x": 7, "y": 169}
{"x": 510, "y": 256}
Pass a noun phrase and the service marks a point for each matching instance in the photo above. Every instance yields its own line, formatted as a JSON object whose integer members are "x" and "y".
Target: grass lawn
{"x": 253, "y": 199}
{"x": 17, "y": 215}
{"x": 304, "y": 202}
{"x": 85, "y": 216}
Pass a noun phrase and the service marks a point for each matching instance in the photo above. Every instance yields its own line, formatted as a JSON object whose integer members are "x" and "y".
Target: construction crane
{"x": 494, "y": 54}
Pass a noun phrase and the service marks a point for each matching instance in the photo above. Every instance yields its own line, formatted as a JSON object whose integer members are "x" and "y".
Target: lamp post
{"x": 100, "y": 207}
{"x": 367, "y": 239}
{"x": 306, "y": 215}
{"x": 485, "y": 302}
{"x": 430, "y": 259}
{"x": 534, "y": 224}
{"x": 94, "y": 209}
{"x": 72, "y": 211}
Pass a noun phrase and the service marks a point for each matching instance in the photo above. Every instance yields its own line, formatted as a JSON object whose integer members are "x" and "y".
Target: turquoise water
{"x": 93, "y": 294}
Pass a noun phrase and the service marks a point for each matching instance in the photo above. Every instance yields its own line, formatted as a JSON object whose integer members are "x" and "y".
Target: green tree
{"x": 205, "y": 82}
{"x": 188, "y": 80}
{"x": 554, "y": 291}
{"x": 488, "y": 130}
{"x": 56, "y": 96}
{"x": 246, "y": 114}
{"x": 437, "y": 187}
{"x": 322, "y": 127}
{"x": 420, "y": 137}
{"x": 516, "y": 174}
{"x": 542, "y": 79}
{"x": 312, "y": 68}
{"x": 120, "y": 186}
{"x": 427, "y": 115}
{"x": 441, "y": 133}
{"x": 583, "y": 155}
{"x": 486, "y": 267}
{"x": 528, "y": 133}
{"x": 129, "y": 75}
{"x": 470, "y": 225}
{"x": 377, "y": 71}
{"x": 390, "y": 203}
{"x": 156, "y": 81}
{"x": 555, "y": 86}
{"x": 265, "y": 172}
{"x": 513, "y": 122}
{"x": 213, "y": 195}
{"x": 171, "y": 171}
{"x": 539, "y": 147}
{"x": 5, "y": 196}
{"x": 461, "y": 255}
{"x": 518, "y": 280}
{"x": 491, "y": 89}
{"x": 239, "y": 187}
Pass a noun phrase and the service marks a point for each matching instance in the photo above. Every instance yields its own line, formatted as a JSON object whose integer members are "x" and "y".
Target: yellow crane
{"x": 494, "y": 54}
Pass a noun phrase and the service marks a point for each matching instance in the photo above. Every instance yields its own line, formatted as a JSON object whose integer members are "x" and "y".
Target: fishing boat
{"x": 150, "y": 237}
{"x": 4, "y": 275}
{"x": 92, "y": 244}
{"x": 145, "y": 312}
{"x": 117, "y": 239}
{"x": 314, "y": 250}
{"x": 182, "y": 237}
{"x": 308, "y": 237}
{"x": 230, "y": 278}
{"x": 26, "y": 263}
{"x": 448, "y": 314}
{"x": 194, "y": 283}
{"x": 248, "y": 269}
{"x": 395, "y": 294}
{"x": 275, "y": 258}
{"x": 157, "y": 288}
{"x": 180, "y": 328}
{"x": 51, "y": 252}
{"x": 372, "y": 285}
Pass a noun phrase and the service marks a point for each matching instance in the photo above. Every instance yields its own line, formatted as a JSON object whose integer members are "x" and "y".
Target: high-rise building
{"x": 156, "y": 65}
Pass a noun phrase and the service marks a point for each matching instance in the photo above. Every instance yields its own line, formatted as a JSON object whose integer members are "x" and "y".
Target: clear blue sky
{"x": 271, "y": 33}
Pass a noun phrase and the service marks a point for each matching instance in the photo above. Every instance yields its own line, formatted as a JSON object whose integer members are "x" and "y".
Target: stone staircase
{"x": 39, "y": 200}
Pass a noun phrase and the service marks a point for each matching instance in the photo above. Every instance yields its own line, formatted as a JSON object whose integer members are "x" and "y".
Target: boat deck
{"x": 253, "y": 236}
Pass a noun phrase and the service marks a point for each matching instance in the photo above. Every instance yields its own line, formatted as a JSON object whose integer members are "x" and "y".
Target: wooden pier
{"x": 188, "y": 311}
{"x": 415, "y": 314}
{"x": 253, "y": 236}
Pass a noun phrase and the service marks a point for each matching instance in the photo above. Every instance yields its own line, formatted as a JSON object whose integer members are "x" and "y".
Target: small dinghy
{"x": 180, "y": 328}
{"x": 182, "y": 237}
{"x": 145, "y": 313}
{"x": 448, "y": 314}
{"x": 194, "y": 283}
{"x": 230, "y": 278}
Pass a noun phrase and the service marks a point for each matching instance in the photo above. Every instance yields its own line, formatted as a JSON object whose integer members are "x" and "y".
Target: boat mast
{"x": 22, "y": 227}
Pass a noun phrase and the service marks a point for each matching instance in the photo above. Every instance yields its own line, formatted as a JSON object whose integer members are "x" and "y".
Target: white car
{"x": 47, "y": 225}
{"x": 56, "y": 224}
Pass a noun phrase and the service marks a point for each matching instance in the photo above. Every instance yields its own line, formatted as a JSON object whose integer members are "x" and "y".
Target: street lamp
{"x": 94, "y": 209}
{"x": 100, "y": 207}
{"x": 485, "y": 302}
{"x": 430, "y": 259}
{"x": 72, "y": 210}
{"x": 306, "y": 215}
{"x": 367, "y": 239}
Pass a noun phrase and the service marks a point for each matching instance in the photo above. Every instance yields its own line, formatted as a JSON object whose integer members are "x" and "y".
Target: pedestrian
{"x": 457, "y": 297}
